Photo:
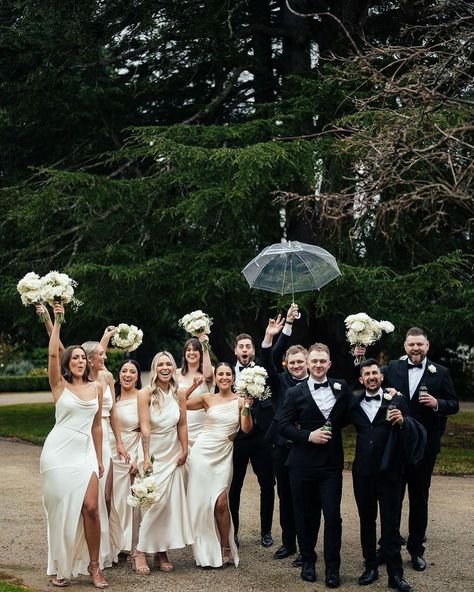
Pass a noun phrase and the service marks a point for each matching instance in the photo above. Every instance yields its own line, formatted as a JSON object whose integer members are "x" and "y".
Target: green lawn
{"x": 6, "y": 587}
{"x": 32, "y": 422}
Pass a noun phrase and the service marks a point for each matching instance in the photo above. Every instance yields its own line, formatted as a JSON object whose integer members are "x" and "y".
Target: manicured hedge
{"x": 16, "y": 384}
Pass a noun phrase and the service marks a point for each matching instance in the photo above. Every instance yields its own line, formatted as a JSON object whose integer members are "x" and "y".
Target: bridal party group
{"x": 137, "y": 470}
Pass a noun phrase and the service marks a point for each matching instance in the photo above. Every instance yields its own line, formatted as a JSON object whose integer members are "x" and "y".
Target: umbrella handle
{"x": 298, "y": 314}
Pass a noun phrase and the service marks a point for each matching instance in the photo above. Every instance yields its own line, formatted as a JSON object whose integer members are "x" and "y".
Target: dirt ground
{"x": 449, "y": 551}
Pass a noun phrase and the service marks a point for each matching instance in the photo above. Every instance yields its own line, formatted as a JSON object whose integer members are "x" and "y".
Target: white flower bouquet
{"x": 29, "y": 288}
{"x": 127, "y": 337}
{"x": 58, "y": 287}
{"x": 363, "y": 330}
{"x": 252, "y": 383}
{"x": 196, "y": 323}
{"x": 144, "y": 492}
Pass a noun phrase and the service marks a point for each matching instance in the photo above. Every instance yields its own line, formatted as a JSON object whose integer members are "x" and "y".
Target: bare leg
{"x": 108, "y": 488}
{"x": 90, "y": 516}
{"x": 222, "y": 516}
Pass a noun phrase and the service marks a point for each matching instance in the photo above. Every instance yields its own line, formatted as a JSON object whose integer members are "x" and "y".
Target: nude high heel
{"x": 96, "y": 576}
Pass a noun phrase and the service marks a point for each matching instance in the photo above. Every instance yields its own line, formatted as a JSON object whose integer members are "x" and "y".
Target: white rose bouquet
{"x": 363, "y": 330}
{"x": 127, "y": 337}
{"x": 29, "y": 288}
{"x": 58, "y": 287}
{"x": 144, "y": 491}
{"x": 252, "y": 383}
{"x": 196, "y": 323}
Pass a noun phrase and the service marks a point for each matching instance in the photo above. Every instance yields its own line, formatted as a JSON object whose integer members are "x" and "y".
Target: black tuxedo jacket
{"x": 279, "y": 383}
{"x": 300, "y": 415}
{"x": 439, "y": 384}
{"x": 372, "y": 437}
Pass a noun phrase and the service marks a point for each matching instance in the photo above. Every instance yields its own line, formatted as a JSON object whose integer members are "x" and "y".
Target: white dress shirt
{"x": 371, "y": 407}
{"x": 414, "y": 376}
{"x": 323, "y": 396}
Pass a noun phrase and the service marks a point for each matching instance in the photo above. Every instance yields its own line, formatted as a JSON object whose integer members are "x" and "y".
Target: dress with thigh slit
{"x": 210, "y": 473}
{"x": 165, "y": 525}
{"x": 67, "y": 463}
{"x": 110, "y": 528}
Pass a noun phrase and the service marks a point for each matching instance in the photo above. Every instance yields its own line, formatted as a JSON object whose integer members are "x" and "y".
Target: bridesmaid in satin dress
{"x": 71, "y": 466}
{"x": 111, "y": 532}
{"x": 162, "y": 414}
{"x": 210, "y": 470}
{"x": 195, "y": 377}
{"x": 126, "y": 408}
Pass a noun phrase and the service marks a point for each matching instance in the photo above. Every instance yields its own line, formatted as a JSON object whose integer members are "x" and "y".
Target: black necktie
{"x": 320, "y": 385}
{"x": 373, "y": 398}
{"x": 410, "y": 366}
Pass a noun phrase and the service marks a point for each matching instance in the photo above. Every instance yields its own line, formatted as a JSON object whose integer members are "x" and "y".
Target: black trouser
{"x": 258, "y": 451}
{"x": 418, "y": 479}
{"x": 287, "y": 519}
{"x": 370, "y": 491}
{"x": 313, "y": 490}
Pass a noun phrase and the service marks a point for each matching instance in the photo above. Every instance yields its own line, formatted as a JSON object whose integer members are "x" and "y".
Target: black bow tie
{"x": 372, "y": 398}
{"x": 410, "y": 366}
{"x": 320, "y": 385}
{"x": 241, "y": 368}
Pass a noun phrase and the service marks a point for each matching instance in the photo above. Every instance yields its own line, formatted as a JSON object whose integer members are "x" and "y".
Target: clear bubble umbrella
{"x": 286, "y": 268}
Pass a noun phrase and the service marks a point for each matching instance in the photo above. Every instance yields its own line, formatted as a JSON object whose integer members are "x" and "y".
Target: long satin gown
{"x": 67, "y": 463}
{"x": 110, "y": 530}
{"x": 165, "y": 525}
{"x": 210, "y": 473}
{"x": 195, "y": 418}
{"x": 127, "y": 413}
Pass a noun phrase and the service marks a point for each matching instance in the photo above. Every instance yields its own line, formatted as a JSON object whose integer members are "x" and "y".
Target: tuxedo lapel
{"x": 402, "y": 370}
{"x": 309, "y": 397}
{"x": 358, "y": 409}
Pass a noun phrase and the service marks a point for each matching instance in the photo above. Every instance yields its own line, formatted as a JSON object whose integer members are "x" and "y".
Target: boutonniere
{"x": 432, "y": 368}
{"x": 336, "y": 386}
{"x": 387, "y": 396}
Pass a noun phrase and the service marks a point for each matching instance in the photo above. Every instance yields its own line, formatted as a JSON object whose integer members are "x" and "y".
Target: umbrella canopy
{"x": 286, "y": 268}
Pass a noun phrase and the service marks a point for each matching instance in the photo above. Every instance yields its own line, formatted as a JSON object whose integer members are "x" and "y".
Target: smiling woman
{"x": 162, "y": 416}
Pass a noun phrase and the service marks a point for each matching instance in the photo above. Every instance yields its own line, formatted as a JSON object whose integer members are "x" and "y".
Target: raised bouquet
{"x": 252, "y": 383}
{"x": 58, "y": 287}
{"x": 29, "y": 288}
{"x": 127, "y": 337}
{"x": 196, "y": 323}
{"x": 363, "y": 330}
{"x": 144, "y": 491}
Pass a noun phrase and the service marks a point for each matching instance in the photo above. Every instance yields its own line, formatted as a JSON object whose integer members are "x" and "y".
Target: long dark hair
{"x": 198, "y": 347}
{"x": 66, "y": 359}
{"x": 117, "y": 387}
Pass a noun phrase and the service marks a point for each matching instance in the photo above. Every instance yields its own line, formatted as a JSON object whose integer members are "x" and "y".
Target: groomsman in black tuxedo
{"x": 253, "y": 447}
{"x": 430, "y": 393}
{"x": 375, "y": 422}
{"x": 316, "y": 461}
{"x": 279, "y": 382}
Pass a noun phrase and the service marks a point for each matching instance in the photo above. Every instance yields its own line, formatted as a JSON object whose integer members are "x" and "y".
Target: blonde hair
{"x": 157, "y": 393}
{"x": 90, "y": 348}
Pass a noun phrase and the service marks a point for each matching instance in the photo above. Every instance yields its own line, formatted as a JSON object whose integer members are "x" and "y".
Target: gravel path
{"x": 449, "y": 552}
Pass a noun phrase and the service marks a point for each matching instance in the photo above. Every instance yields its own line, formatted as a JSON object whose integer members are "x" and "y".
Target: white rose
{"x": 432, "y": 368}
{"x": 133, "y": 501}
{"x": 358, "y": 326}
{"x": 387, "y": 396}
{"x": 387, "y": 326}
{"x": 337, "y": 386}
{"x": 139, "y": 489}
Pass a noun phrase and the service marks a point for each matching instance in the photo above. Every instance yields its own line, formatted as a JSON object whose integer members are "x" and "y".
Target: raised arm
{"x": 279, "y": 348}
{"x": 198, "y": 402}
{"x": 43, "y": 312}
{"x": 143, "y": 399}
{"x": 207, "y": 369}
{"x": 56, "y": 380}
{"x": 107, "y": 336}
{"x": 182, "y": 428}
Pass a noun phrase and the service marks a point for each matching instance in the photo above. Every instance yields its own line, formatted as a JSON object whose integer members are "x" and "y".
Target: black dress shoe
{"x": 399, "y": 584}
{"x": 266, "y": 540}
{"x": 308, "y": 571}
{"x": 369, "y": 576}
{"x": 332, "y": 579}
{"x": 283, "y": 552}
{"x": 298, "y": 562}
{"x": 418, "y": 562}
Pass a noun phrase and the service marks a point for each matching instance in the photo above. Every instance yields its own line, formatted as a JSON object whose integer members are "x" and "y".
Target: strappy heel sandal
{"x": 58, "y": 582}
{"x": 163, "y": 565}
{"x": 96, "y": 576}
{"x": 141, "y": 570}
{"x": 226, "y": 557}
